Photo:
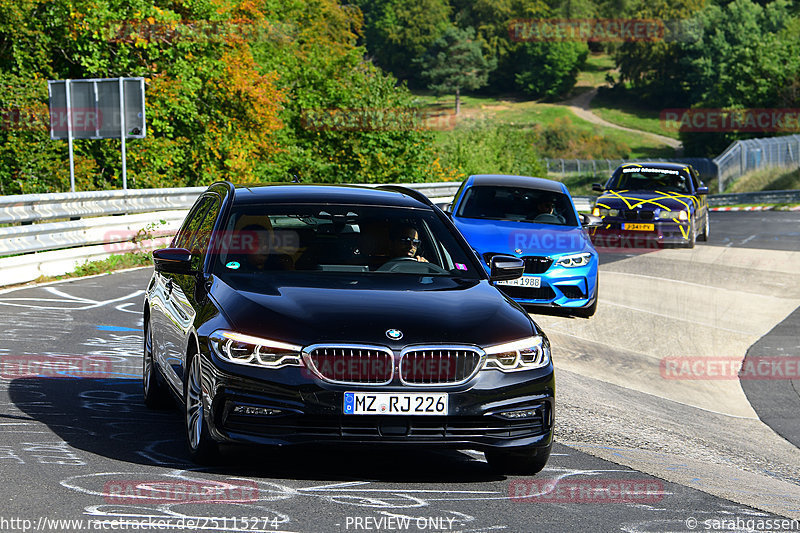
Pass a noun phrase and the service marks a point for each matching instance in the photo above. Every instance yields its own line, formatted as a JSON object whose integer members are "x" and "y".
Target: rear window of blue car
{"x": 517, "y": 204}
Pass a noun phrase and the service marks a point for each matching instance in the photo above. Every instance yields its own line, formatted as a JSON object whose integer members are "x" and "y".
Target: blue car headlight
{"x": 574, "y": 260}
{"x": 254, "y": 351}
{"x": 524, "y": 354}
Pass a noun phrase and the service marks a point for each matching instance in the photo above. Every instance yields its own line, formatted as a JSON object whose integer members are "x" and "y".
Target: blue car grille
{"x": 536, "y": 264}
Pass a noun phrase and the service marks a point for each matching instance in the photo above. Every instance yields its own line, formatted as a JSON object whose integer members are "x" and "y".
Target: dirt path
{"x": 580, "y": 106}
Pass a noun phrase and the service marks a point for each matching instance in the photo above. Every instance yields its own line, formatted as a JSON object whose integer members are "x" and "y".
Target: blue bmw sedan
{"x": 533, "y": 219}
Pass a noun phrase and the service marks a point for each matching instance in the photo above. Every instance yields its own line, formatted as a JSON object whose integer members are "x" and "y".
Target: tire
{"x": 706, "y": 230}
{"x": 526, "y": 461}
{"x": 202, "y": 448}
{"x": 154, "y": 390}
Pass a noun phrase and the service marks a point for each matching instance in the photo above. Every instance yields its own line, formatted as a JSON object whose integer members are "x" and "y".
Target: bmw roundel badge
{"x": 394, "y": 334}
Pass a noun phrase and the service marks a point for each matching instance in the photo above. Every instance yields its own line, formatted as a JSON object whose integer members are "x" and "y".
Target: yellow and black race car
{"x": 646, "y": 204}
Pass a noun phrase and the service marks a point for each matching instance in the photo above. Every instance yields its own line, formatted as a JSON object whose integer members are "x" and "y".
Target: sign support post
{"x": 122, "y": 133}
{"x": 69, "y": 138}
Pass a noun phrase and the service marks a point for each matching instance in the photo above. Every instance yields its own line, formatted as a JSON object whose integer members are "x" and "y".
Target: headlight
{"x": 680, "y": 215}
{"x": 254, "y": 351}
{"x": 525, "y": 354}
{"x": 575, "y": 260}
{"x": 602, "y": 212}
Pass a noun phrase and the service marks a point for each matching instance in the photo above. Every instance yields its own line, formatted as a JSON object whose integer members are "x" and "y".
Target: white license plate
{"x": 638, "y": 227}
{"x": 524, "y": 281}
{"x": 394, "y": 403}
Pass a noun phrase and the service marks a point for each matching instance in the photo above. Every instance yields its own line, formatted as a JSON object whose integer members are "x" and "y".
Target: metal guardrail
{"x": 603, "y": 168}
{"x": 85, "y": 232}
{"x": 761, "y": 197}
{"x": 28, "y": 208}
{"x": 754, "y": 154}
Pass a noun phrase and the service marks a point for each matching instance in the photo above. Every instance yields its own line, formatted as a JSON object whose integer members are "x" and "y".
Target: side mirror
{"x": 702, "y": 190}
{"x": 506, "y": 267}
{"x": 590, "y": 221}
{"x": 597, "y": 187}
{"x": 173, "y": 260}
{"x": 445, "y": 207}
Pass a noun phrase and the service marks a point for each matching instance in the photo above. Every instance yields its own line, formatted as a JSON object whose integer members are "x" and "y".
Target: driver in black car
{"x": 404, "y": 242}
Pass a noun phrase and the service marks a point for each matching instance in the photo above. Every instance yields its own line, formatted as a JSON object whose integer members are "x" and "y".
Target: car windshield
{"x": 649, "y": 179}
{"x": 519, "y": 204}
{"x": 336, "y": 239}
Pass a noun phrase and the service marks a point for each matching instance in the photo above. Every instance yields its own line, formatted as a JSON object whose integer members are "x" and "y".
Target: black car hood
{"x": 304, "y": 310}
{"x": 647, "y": 200}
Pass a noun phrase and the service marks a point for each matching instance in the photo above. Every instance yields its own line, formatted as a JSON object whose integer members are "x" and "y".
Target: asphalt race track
{"x": 638, "y": 449}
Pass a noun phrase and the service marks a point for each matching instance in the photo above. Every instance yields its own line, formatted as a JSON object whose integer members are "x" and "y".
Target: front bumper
{"x": 307, "y": 410}
{"x": 611, "y": 237}
{"x": 560, "y": 287}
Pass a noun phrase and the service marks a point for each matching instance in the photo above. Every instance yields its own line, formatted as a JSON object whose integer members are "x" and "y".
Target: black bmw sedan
{"x": 319, "y": 315}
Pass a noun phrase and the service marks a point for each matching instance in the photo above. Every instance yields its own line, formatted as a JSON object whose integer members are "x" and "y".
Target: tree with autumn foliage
{"x": 227, "y": 83}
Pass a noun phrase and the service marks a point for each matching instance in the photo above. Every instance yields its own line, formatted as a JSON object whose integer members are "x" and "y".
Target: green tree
{"x": 456, "y": 62}
{"x": 227, "y": 81}
{"x": 656, "y": 69}
{"x": 549, "y": 69}
{"x": 397, "y": 32}
{"x": 747, "y": 56}
{"x": 324, "y": 74}
{"x": 492, "y": 20}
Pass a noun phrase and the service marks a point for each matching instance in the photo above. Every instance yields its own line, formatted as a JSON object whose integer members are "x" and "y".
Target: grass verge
{"x": 769, "y": 179}
{"x": 619, "y": 108}
{"x": 104, "y": 266}
{"x": 573, "y": 137}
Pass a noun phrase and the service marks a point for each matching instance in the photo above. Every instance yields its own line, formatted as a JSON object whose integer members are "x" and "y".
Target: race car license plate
{"x": 638, "y": 227}
{"x": 395, "y": 403}
{"x": 524, "y": 281}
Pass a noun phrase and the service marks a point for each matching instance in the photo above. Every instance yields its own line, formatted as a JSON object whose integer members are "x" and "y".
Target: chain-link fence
{"x": 754, "y": 154}
{"x": 604, "y": 167}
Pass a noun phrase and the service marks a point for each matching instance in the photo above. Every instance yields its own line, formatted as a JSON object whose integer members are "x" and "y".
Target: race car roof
{"x": 506, "y": 180}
